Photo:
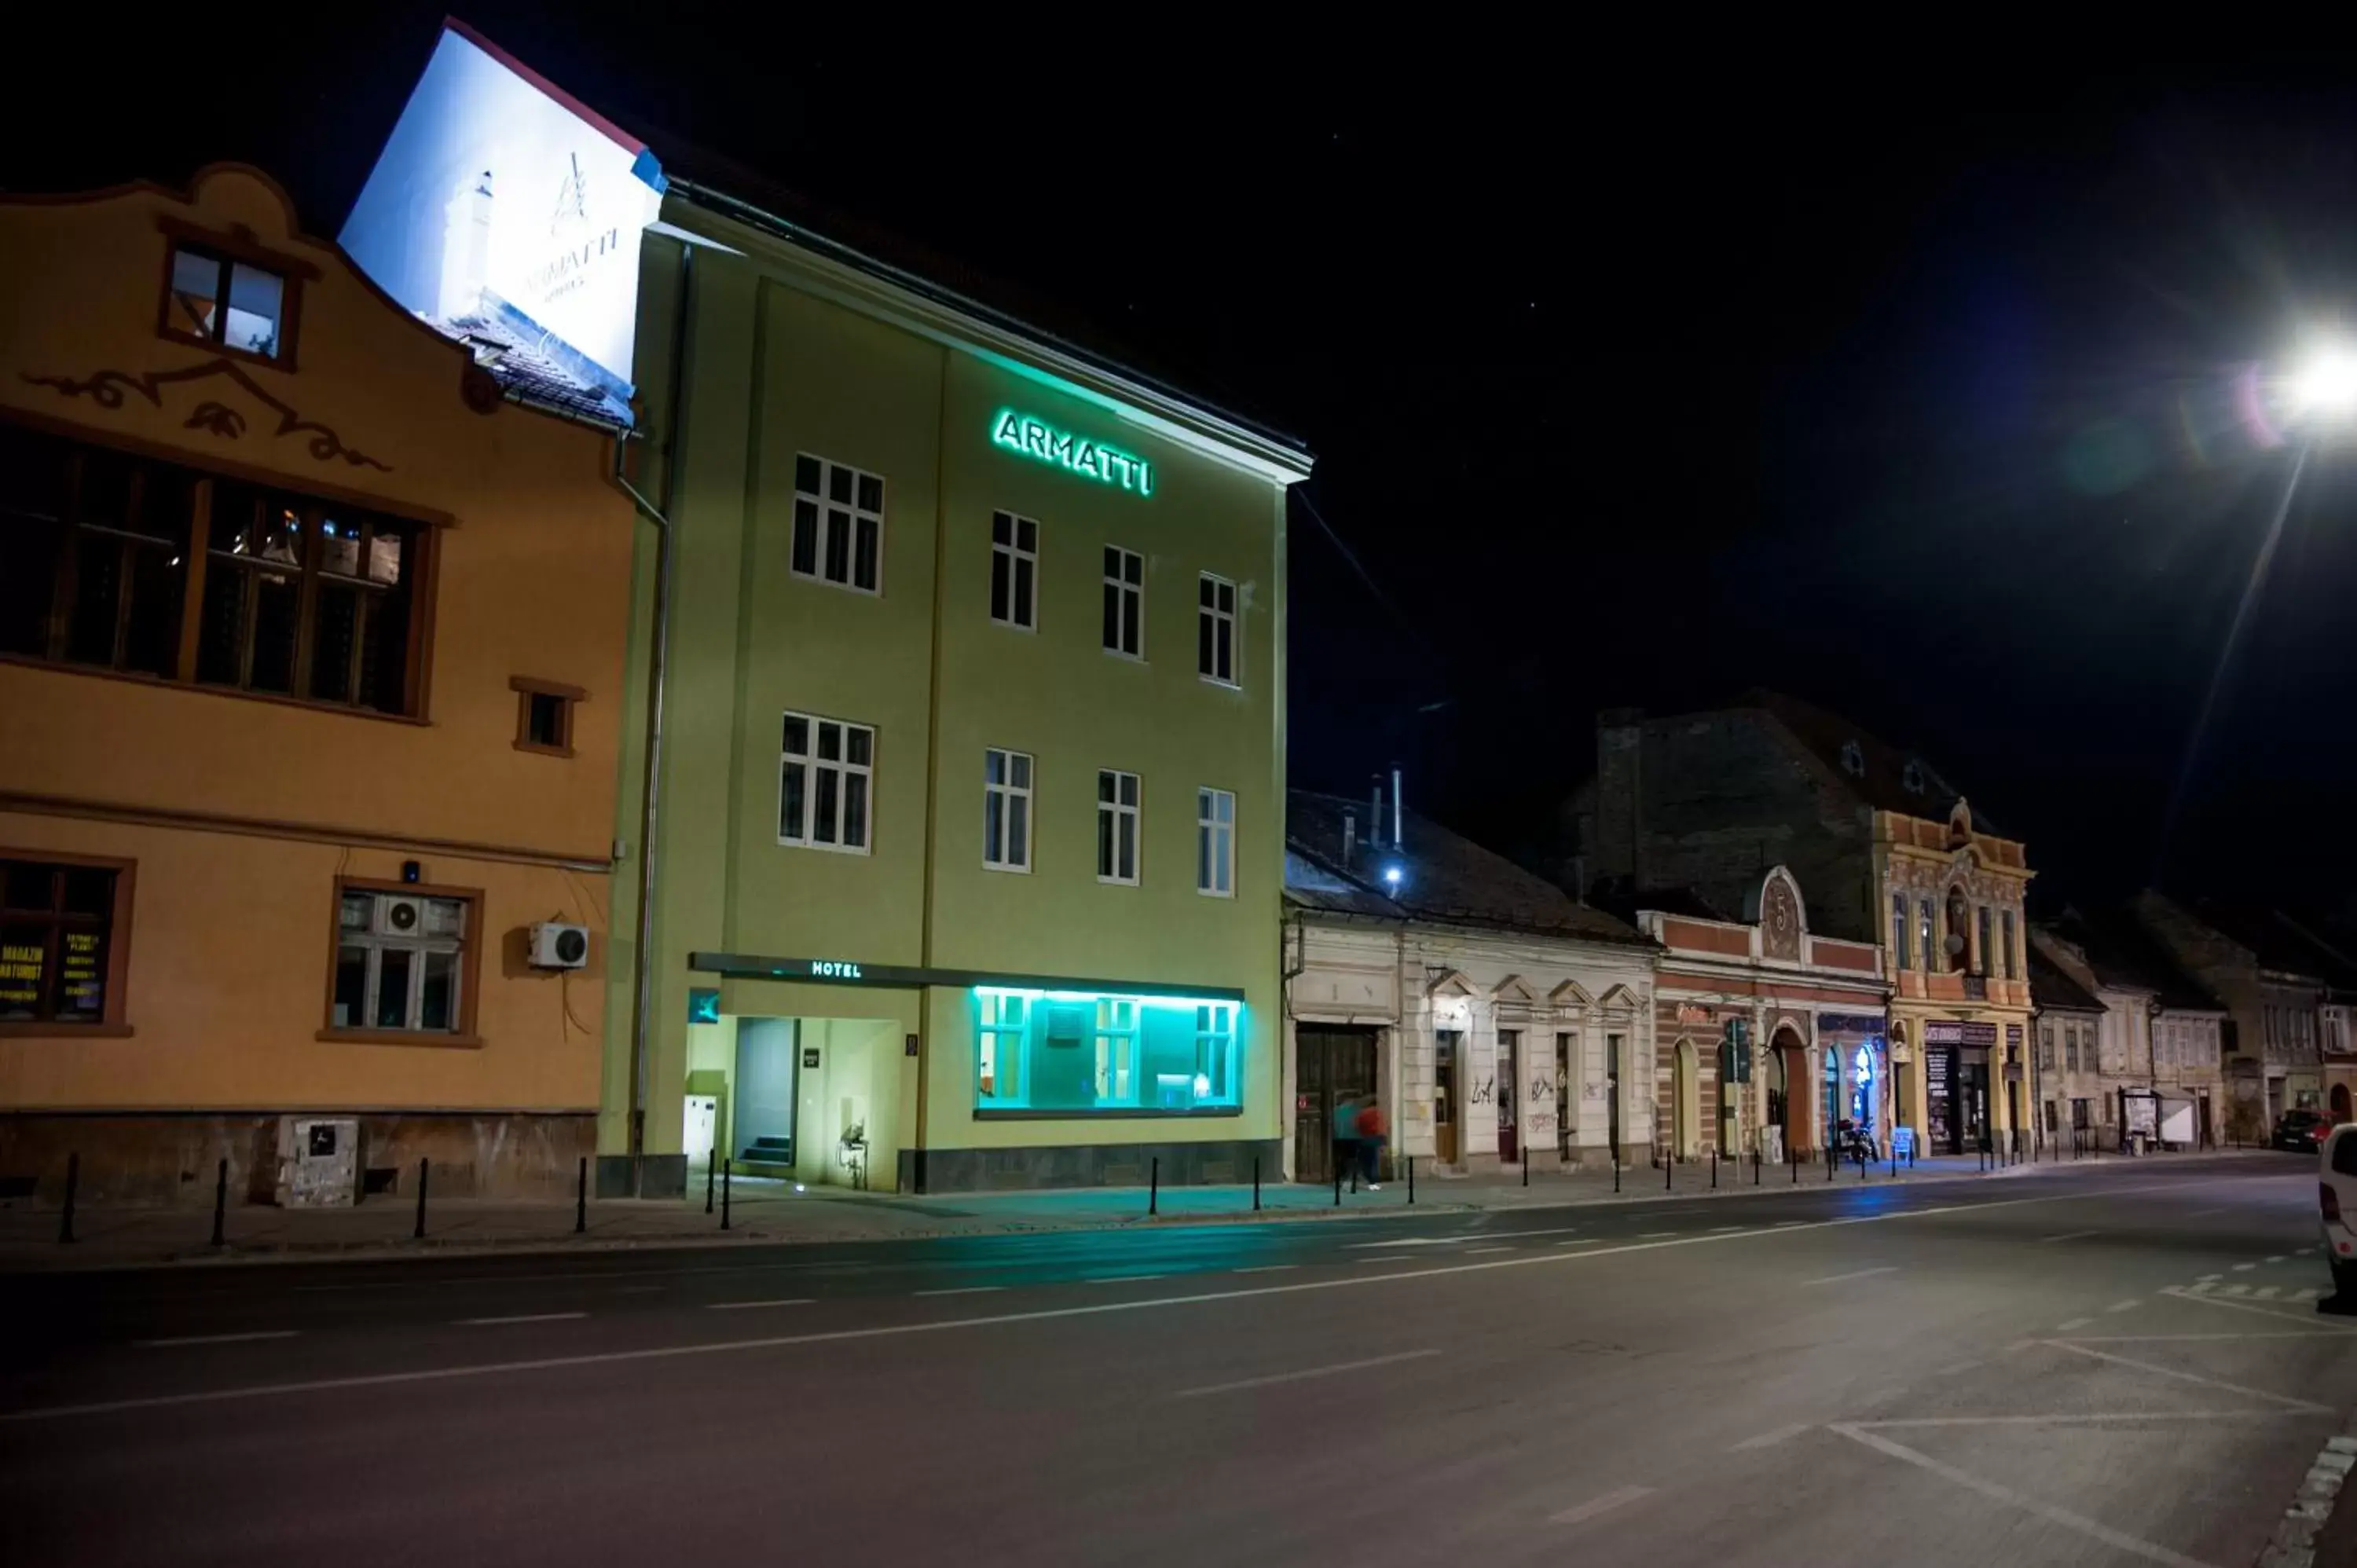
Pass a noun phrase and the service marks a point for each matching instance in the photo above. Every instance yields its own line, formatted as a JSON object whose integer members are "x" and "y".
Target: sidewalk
{"x": 773, "y": 1212}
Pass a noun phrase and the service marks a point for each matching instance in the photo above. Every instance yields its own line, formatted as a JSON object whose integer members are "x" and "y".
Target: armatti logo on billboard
{"x": 505, "y": 213}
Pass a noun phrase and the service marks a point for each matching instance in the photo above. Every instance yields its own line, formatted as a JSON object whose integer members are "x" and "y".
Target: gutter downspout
{"x": 650, "y": 809}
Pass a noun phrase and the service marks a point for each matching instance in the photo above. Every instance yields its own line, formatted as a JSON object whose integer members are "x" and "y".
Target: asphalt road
{"x": 2094, "y": 1368}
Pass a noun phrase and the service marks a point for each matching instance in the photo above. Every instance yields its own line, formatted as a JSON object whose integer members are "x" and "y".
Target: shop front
{"x": 1858, "y": 1087}
{"x": 921, "y": 1080}
{"x": 1956, "y": 1060}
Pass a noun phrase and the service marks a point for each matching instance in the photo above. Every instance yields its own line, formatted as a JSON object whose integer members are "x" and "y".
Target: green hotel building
{"x": 957, "y": 720}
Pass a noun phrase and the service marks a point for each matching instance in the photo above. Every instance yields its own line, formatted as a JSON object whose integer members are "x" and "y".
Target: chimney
{"x": 1375, "y": 814}
{"x": 1398, "y": 836}
{"x": 1350, "y": 838}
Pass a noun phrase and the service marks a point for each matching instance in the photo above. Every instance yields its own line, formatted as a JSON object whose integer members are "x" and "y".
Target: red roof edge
{"x": 622, "y": 137}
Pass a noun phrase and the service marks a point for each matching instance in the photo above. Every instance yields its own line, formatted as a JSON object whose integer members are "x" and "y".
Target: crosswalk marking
{"x": 2238, "y": 1290}
{"x": 2264, "y": 1293}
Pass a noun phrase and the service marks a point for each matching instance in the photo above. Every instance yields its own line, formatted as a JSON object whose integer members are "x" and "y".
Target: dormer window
{"x": 1853, "y": 759}
{"x": 227, "y": 302}
{"x": 1911, "y": 778}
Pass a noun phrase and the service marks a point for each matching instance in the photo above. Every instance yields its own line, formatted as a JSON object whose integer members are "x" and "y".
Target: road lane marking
{"x": 960, "y": 1290}
{"x": 1619, "y": 1497}
{"x": 2263, "y": 1311}
{"x": 2266, "y": 1292}
{"x": 2240, "y": 1267}
{"x": 742, "y": 1306}
{"x": 2238, "y": 1290}
{"x": 2084, "y": 1416}
{"x": 1769, "y": 1439}
{"x": 2006, "y": 1495}
{"x": 1118, "y": 1279}
{"x": 879, "y": 1331}
{"x": 2278, "y": 1258}
{"x": 2159, "y": 1371}
{"x": 2069, "y": 1236}
{"x": 1476, "y": 1251}
{"x": 1860, "y": 1274}
{"x": 1723, "y": 1229}
{"x": 1580, "y": 1241}
{"x": 1655, "y": 1235}
{"x": 216, "y": 1338}
{"x": 1786, "y": 1224}
{"x": 2074, "y": 1322}
{"x": 518, "y": 1317}
{"x": 2152, "y": 1339}
{"x": 2123, "y": 1306}
{"x": 1303, "y": 1374}
{"x": 1268, "y": 1268}
{"x": 2199, "y": 1212}
{"x": 2309, "y": 1294}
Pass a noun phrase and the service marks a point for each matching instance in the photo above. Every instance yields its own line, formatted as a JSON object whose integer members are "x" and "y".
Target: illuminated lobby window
{"x": 1083, "y": 1053}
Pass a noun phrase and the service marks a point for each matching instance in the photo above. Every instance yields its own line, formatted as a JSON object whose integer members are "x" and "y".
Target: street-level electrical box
{"x": 318, "y": 1162}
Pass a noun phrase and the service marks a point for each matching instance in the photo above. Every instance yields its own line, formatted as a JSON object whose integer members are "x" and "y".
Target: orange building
{"x": 311, "y": 646}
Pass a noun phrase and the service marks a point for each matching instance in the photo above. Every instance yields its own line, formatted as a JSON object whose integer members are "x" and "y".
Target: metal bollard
{"x": 1526, "y": 1164}
{"x": 1255, "y": 1184}
{"x": 1338, "y": 1177}
{"x": 1713, "y": 1168}
{"x": 220, "y": 1206}
{"x": 728, "y": 1169}
{"x": 74, "y": 1180}
{"x": 581, "y": 1200}
{"x": 1616, "y": 1168}
{"x": 711, "y": 1175}
{"x": 418, "y": 1234}
{"x": 1411, "y": 1180}
{"x": 1669, "y": 1170}
{"x": 1154, "y": 1184}
{"x": 1757, "y": 1159}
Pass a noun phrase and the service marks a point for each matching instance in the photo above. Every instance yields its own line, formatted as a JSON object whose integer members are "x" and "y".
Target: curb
{"x": 748, "y": 1235}
{"x": 2294, "y": 1542}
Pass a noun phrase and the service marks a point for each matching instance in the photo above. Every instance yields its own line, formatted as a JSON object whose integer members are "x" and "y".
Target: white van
{"x": 2337, "y": 1192}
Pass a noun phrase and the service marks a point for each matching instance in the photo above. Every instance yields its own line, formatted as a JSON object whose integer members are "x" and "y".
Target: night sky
{"x": 1635, "y": 378}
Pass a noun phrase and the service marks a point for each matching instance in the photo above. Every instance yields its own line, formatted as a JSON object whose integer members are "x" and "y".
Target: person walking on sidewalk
{"x": 1346, "y": 1135}
{"x": 1371, "y": 1128}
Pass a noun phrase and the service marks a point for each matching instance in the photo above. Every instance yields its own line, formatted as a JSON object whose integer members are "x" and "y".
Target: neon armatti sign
{"x": 1043, "y": 443}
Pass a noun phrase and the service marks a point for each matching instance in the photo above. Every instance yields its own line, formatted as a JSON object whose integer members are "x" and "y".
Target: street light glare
{"x": 2326, "y": 387}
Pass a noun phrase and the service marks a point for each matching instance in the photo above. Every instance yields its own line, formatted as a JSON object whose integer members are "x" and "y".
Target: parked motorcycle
{"x": 1855, "y": 1143}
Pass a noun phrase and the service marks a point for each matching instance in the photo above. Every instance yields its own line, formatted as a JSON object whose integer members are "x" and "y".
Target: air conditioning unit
{"x": 557, "y": 945}
{"x": 400, "y": 917}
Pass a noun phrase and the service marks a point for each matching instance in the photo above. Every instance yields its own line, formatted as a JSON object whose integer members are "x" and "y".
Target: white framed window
{"x": 1006, "y": 809}
{"x": 999, "y": 1047}
{"x": 838, "y": 524}
{"x": 1116, "y": 1041}
{"x": 1215, "y": 843}
{"x": 1215, "y": 629}
{"x": 1013, "y": 571}
{"x": 401, "y": 960}
{"x": 1125, "y": 602}
{"x": 1116, "y": 827}
{"x": 826, "y": 773}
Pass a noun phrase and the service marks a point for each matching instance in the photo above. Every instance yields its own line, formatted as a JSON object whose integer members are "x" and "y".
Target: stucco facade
{"x": 265, "y": 675}
{"x": 769, "y": 366}
{"x": 1807, "y": 1012}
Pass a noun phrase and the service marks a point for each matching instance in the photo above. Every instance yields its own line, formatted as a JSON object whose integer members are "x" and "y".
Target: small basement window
{"x": 235, "y": 304}
{"x": 544, "y": 714}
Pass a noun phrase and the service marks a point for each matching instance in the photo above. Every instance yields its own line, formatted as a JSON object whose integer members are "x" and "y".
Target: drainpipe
{"x": 649, "y": 807}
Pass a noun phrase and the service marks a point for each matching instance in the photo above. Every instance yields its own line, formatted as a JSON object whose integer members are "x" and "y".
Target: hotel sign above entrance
{"x": 1043, "y": 443}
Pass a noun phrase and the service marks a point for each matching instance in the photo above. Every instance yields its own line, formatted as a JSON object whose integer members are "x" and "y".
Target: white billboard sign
{"x": 503, "y": 212}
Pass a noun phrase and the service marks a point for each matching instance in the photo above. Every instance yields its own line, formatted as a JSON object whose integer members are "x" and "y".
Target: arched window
{"x": 1959, "y": 943}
